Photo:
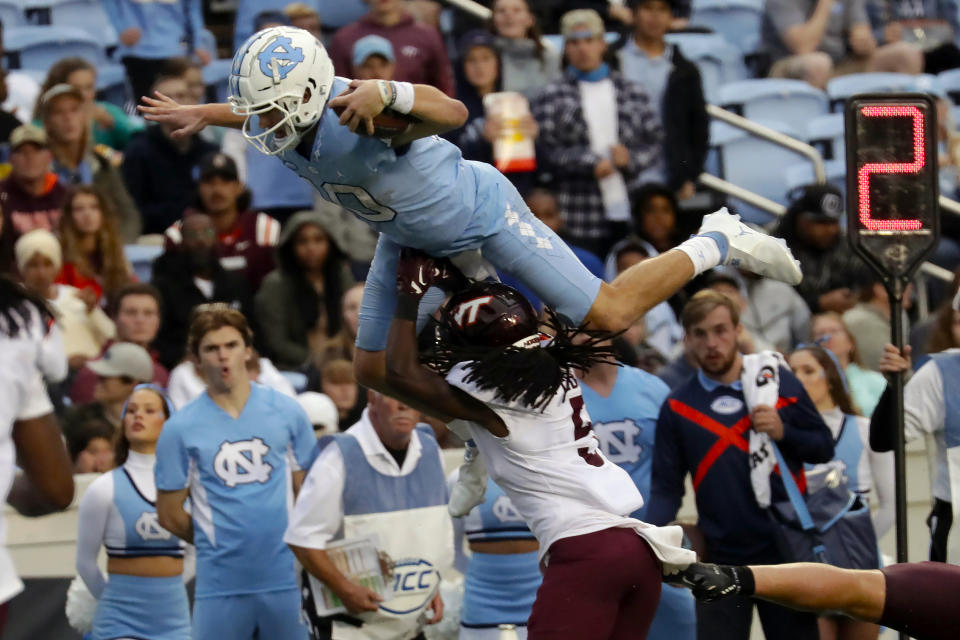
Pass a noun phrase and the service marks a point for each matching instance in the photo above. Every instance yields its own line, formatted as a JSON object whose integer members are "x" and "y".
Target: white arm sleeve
{"x": 923, "y": 402}
{"x": 91, "y": 527}
{"x": 34, "y": 402}
{"x": 51, "y": 358}
{"x": 318, "y": 512}
{"x": 460, "y": 557}
{"x": 882, "y": 481}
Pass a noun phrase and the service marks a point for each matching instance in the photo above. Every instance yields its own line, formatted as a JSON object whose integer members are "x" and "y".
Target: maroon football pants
{"x": 598, "y": 586}
{"x": 921, "y": 600}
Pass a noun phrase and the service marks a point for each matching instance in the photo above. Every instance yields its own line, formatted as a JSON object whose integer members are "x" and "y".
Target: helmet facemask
{"x": 283, "y": 69}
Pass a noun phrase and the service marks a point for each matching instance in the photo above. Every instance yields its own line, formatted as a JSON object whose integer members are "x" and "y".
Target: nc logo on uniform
{"x": 618, "y": 440}
{"x": 414, "y": 582}
{"x": 504, "y": 511}
{"x": 242, "y": 462}
{"x": 148, "y": 527}
{"x": 279, "y": 58}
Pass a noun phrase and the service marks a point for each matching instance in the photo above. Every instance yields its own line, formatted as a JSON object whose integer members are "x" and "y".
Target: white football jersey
{"x": 551, "y": 467}
{"x": 23, "y": 395}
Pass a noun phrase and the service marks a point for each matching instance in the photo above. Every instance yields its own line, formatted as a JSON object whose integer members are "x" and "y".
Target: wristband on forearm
{"x": 746, "y": 586}
{"x": 407, "y": 307}
{"x": 403, "y": 97}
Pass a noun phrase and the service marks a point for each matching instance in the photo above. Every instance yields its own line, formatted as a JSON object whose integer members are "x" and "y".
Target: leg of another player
{"x": 638, "y": 289}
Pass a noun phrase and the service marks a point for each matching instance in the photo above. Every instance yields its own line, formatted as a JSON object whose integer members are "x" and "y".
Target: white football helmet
{"x": 272, "y": 70}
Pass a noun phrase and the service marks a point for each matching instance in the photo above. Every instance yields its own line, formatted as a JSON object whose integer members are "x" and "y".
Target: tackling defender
{"x": 418, "y": 191}
{"x": 521, "y": 402}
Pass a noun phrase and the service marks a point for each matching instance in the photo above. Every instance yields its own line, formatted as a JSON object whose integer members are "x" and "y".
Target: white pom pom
{"x": 81, "y": 606}
{"x": 449, "y": 628}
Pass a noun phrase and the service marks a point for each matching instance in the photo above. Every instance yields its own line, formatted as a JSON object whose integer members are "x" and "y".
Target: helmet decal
{"x": 279, "y": 58}
{"x": 466, "y": 312}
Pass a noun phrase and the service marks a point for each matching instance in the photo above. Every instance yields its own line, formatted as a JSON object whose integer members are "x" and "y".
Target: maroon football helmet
{"x": 489, "y": 314}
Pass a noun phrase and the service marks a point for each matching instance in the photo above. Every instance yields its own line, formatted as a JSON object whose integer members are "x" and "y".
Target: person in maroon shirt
{"x": 420, "y": 54}
{"x": 31, "y": 197}
{"x": 245, "y": 239}
{"x": 136, "y": 314}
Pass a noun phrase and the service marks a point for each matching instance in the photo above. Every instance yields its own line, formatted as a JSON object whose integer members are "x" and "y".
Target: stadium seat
{"x": 719, "y": 61}
{"x": 88, "y": 15}
{"x": 801, "y": 174}
{"x": 949, "y": 83}
{"x": 296, "y": 379}
{"x": 825, "y": 133}
{"x": 754, "y": 164}
{"x": 112, "y": 84}
{"x": 38, "y": 47}
{"x": 738, "y": 21}
{"x": 11, "y": 13}
{"x": 842, "y": 87}
{"x": 791, "y": 101}
{"x": 215, "y": 76}
{"x": 141, "y": 257}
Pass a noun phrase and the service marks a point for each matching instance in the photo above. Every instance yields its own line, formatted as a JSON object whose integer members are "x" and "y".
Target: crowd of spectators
{"x": 620, "y": 133}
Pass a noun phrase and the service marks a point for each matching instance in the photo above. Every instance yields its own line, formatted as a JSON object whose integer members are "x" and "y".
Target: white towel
{"x": 761, "y": 386}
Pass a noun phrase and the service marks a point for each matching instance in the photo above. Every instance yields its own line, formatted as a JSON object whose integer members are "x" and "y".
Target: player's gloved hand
{"x": 417, "y": 272}
{"x": 710, "y": 582}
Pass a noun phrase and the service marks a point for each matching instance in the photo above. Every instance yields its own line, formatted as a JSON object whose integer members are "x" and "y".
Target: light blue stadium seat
{"x": 296, "y": 379}
{"x": 12, "y": 13}
{"x": 791, "y": 101}
{"x": 141, "y": 257}
{"x": 736, "y": 20}
{"x": 754, "y": 164}
{"x": 826, "y": 134}
{"x": 112, "y": 84}
{"x": 216, "y": 75}
{"x": 88, "y": 15}
{"x": 842, "y": 87}
{"x": 38, "y": 47}
{"x": 719, "y": 61}
{"x": 801, "y": 174}
{"x": 949, "y": 83}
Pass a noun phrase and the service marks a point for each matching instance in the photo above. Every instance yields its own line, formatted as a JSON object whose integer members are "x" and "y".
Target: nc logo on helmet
{"x": 279, "y": 58}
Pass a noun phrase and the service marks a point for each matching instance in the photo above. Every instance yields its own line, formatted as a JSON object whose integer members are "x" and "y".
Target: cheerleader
{"x": 144, "y": 595}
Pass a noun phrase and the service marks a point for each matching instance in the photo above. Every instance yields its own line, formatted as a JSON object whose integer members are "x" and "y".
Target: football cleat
{"x": 746, "y": 248}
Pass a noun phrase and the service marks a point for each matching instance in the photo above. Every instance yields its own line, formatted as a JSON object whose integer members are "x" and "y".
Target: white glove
{"x": 471, "y": 485}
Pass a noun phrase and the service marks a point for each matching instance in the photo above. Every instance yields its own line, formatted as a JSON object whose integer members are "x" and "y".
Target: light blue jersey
{"x": 626, "y": 421}
{"x": 238, "y": 473}
{"x": 164, "y": 26}
{"x": 426, "y": 196}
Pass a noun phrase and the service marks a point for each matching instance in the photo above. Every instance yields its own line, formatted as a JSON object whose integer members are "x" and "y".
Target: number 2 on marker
{"x": 906, "y": 168}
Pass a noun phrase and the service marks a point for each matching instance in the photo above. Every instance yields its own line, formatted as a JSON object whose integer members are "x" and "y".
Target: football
{"x": 386, "y": 125}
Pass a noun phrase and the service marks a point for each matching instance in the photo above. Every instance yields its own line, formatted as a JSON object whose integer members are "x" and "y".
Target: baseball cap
{"x": 217, "y": 164}
{"x": 819, "y": 202}
{"x": 124, "y": 359}
{"x": 581, "y": 23}
{"x": 320, "y": 410}
{"x": 57, "y": 90}
{"x": 475, "y": 38}
{"x": 372, "y": 46}
{"x": 27, "y": 133}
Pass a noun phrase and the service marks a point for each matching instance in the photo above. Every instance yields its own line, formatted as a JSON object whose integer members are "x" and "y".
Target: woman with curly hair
{"x": 93, "y": 258}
